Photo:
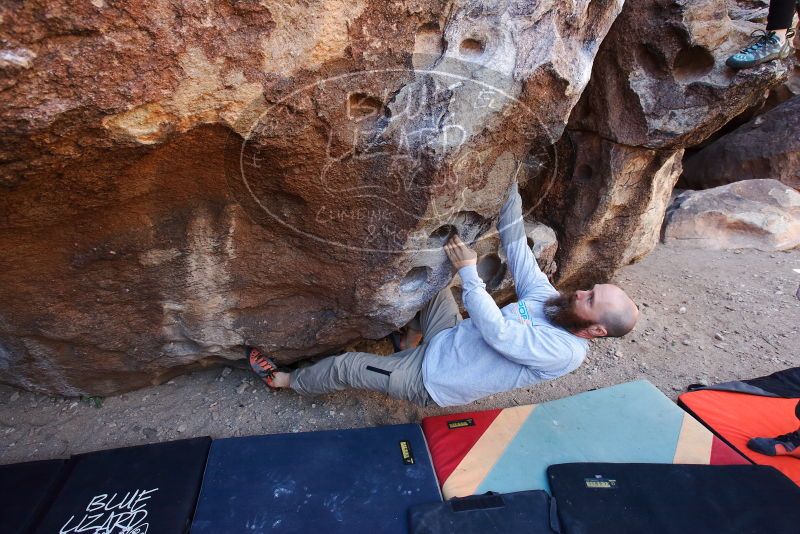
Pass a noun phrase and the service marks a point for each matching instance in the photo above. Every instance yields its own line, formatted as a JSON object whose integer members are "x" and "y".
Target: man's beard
{"x": 560, "y": 310}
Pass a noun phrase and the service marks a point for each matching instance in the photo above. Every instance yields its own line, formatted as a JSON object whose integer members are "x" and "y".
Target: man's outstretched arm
{"x": 516, "y": 341}
{"x": 530, "y": 282}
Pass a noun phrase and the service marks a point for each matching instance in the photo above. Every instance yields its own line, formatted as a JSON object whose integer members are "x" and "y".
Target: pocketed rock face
{"x": 180, "y": 181}
{"x": 611, "y": 203}
{"x": 766, "y": 147}
{"x": 659, "y": 84}
{"x": 493, "y": 262}
{"x": 660, "y": 79}
{"x": 760, "y": 214}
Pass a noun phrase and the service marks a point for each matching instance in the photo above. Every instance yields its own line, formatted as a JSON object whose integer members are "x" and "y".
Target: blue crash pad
{"x": 148, "y": 489}
{"x": 342, "y": 481}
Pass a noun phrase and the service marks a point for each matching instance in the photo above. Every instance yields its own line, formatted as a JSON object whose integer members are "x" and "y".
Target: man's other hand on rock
{"x": 459, "y": 253}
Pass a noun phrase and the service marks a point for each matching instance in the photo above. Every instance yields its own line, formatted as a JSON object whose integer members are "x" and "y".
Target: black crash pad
{"x": 522, "y": 512}
{"x": 135, "y": 490}
{"x": 603, "y": 498}
{"x": 25, "y": 491}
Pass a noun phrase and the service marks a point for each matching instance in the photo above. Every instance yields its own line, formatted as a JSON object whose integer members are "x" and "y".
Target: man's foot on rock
{"x": 766, "y": 46}
{"x": 266, "y": 369}
{"x": 783, "y": 445}
{"x": 412, "y": 338}
{"x": 406, "y": 338}
{"x": 280, "y": 380}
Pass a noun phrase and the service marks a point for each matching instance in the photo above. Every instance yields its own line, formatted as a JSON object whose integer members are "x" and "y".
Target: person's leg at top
{"x": 772, "y": 43}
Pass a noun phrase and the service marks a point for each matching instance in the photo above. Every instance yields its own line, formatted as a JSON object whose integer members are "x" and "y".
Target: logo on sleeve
{"x": 523, "y": 313}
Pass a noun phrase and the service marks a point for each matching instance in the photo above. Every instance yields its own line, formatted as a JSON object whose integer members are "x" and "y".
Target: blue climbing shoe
{"x": 765, "y": 46}
{"x": 783, "y": 445}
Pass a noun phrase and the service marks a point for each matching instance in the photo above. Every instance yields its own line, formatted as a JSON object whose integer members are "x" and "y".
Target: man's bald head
{"x": 604, "y": 310}
{"x": 619, "y": 315}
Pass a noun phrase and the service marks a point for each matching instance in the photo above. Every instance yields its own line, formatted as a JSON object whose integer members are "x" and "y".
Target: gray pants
{"x": 398, "y": 375}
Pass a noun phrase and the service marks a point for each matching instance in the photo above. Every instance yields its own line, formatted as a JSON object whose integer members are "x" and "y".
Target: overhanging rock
{"x": 178, "y": 183}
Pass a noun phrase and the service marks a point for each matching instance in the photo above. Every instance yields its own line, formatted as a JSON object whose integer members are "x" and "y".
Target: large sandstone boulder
{"x": 180, "y": 180}
{"x": 659, "y": 85}
{"x": 766, "y": 147}
{"x": 760, "y": 214}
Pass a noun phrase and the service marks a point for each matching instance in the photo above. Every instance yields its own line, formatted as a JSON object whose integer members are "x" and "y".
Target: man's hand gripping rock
{"x": 459, "y": 253}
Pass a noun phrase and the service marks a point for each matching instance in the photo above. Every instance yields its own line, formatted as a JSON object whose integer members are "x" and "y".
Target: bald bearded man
{"x": 540, "y": 337}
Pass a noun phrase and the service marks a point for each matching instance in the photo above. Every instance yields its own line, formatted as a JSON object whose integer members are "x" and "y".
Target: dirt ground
{"x": 707, "y": 316}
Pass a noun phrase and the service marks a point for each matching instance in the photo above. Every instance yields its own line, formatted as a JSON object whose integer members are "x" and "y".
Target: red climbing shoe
{"x": 261, "y": 365}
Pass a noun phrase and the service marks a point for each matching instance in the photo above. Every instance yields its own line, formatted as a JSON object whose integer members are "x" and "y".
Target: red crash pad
{"x": 737, "y": 417}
